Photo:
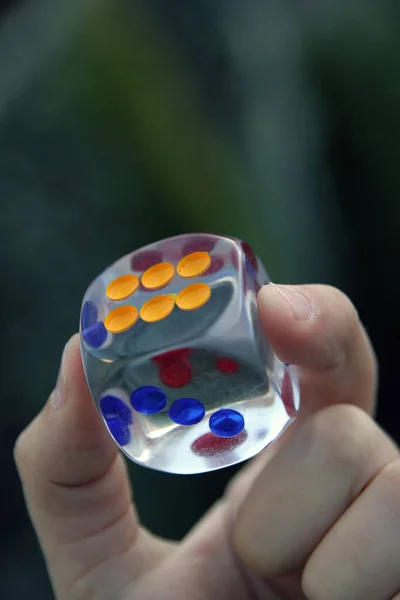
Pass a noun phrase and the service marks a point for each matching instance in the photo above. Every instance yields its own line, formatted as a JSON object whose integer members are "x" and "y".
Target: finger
{"x": 306, "y": 487}
{"x": 317, "y": 328}
{"x": 77, "y": 491}
{"x": 359, "y": 558}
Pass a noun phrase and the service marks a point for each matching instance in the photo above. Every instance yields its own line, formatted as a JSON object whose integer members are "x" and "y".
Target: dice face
{"x": 175, "y": 357}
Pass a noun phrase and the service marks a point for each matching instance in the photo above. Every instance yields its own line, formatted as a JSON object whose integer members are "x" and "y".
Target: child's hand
{"x": 317, "y": 515}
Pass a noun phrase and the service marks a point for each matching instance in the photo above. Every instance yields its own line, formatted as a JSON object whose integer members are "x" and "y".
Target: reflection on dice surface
{"x": 175, "y": 357}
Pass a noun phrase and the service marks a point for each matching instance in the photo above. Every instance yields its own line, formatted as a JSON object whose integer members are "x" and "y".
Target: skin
{"x": 316, "y": 515}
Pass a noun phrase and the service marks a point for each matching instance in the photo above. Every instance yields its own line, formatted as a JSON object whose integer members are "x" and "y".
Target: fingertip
{"x": 294, "y": 302}
{"x": 67, "y": 441}
{"x": 299, "y": 322}
{"x": 336, "y": 359}
{"x": 69, "y": 374}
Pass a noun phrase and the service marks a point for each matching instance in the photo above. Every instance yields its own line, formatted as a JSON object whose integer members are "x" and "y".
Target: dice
{"x": 176, "y": 359}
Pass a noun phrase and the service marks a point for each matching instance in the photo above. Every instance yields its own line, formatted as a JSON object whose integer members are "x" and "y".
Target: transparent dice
{"x": 175, "y": 357}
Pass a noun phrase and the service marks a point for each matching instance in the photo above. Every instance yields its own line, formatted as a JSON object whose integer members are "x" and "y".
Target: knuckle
{"x": 315, "y": 585}
{"x": 337, "y": 328}
{"x": 342, "y": 303}
{"x": 353, "y": 332}
{"x": 389, "y": 481}
{"x": 339, "y": 435}
{"x": 344, "y": 306}
{"x": 347, "y": 308}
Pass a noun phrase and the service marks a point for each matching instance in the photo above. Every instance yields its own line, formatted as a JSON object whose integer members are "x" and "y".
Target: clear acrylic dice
{"x": 175, "y": 357}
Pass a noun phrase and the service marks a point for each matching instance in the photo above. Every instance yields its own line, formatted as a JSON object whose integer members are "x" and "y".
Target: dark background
{"x": 123, "y": 122}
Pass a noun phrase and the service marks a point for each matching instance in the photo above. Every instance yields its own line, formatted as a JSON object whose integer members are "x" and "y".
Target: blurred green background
{"x": 124, "y": 121}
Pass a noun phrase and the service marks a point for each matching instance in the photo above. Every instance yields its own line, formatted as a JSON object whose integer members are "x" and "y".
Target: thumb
{"x": 78, "y": 494}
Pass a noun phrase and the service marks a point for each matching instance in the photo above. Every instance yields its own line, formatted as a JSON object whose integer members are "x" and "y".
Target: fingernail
{"x": 301, "y": 306}
{"x": 60, "y": 394}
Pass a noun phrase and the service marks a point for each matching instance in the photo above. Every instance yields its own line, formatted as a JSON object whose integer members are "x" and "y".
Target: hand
{"x": 316, "y": 515}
